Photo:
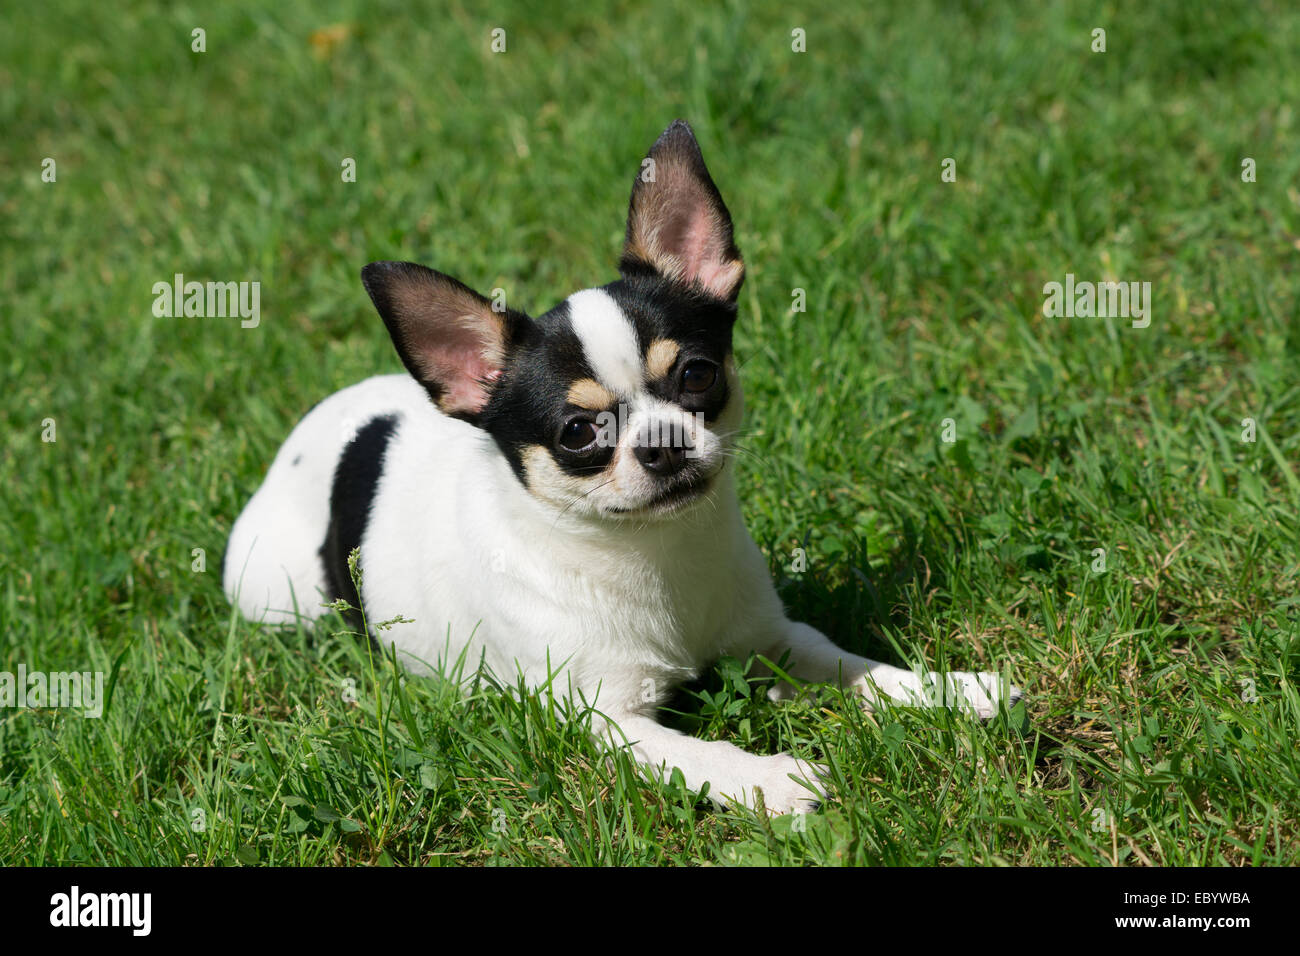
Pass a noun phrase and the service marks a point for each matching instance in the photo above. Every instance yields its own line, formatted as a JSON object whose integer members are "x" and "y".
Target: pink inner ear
{"x": 699, "y": 252}
{"x": 704, "y": 260}
{"x": 719, "y": 278}
{"x": 455, "y": 359}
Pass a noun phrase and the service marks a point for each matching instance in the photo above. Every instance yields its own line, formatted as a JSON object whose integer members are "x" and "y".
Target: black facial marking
{"x": 356, "y": 477}
{"x": 529, "y": 405}
{"x": 700, "y": 324}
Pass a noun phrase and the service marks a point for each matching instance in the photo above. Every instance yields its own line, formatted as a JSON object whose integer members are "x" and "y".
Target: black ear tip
{"x": 372, "y": 278}
{"x": 377, "y": 275}
{"x": 373, "y": 272}
{"x": 679, "y": 134}
{"x": 377, "y": 270}
{"x": 377, "y": 278}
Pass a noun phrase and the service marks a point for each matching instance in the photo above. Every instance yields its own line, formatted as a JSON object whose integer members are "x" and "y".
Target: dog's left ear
{"x": 449, "y": 337}
{"x": 677, "y": 224}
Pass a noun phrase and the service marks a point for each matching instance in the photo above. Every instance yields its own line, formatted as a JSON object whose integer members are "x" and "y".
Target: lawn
{"x": 937, "y": 470}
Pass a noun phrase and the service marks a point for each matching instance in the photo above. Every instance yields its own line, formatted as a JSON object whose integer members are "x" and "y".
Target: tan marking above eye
{"x": 659, "y": 358}
{"x": 590, "y": 394}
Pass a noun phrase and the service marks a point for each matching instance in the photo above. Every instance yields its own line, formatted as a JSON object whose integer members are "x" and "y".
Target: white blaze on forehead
{"x": 608, "y": 340}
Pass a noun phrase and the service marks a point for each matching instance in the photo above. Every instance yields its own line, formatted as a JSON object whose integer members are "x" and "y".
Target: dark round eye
{"x": 577, "y": 434}
{"x": 699, "y": 376}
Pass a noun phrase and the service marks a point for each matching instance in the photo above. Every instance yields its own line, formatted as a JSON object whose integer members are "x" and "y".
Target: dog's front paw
{"x": 767, "y": 785}
{"x": 782, "y": 690}
{"x": 781, "y": 794}
{"x": 984, "y": 692}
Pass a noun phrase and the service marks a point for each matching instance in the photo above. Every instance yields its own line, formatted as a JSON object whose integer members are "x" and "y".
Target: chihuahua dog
{"x": 555, "y": 495}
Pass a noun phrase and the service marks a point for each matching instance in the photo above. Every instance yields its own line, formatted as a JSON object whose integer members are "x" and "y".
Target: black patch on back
{"x": 356, "y": 477}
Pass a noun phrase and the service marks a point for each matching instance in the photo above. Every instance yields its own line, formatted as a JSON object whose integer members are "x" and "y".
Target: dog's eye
{"x": 699, "y": 376}
{"x": 577, "y": 434}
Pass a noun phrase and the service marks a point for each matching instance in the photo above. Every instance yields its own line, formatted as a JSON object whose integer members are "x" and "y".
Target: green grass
{"x": 1138, "y": 743}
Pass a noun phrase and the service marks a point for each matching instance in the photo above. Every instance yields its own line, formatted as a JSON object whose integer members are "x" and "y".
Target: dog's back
{"x": 274, "y": 563}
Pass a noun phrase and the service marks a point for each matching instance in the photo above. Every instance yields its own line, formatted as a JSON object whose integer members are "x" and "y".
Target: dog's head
{"x": 621, "y": 401}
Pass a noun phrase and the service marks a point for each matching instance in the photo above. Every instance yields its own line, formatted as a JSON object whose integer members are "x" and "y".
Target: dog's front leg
{"x": 814, "y": 658}
{"x": 731, "y": 773}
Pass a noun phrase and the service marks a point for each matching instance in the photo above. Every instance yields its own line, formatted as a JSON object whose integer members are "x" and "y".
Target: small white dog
{"x": 555, "y": 494}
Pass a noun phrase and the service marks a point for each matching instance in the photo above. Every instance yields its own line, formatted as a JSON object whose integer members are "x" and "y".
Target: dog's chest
{"x": 610, "y": 612}
{"x": 478, "y": 570}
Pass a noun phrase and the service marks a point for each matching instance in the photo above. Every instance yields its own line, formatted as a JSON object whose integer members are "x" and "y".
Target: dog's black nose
{"x": 660, "y": 460}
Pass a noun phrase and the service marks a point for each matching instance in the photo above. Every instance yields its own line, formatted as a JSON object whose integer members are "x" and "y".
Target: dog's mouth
{"x": 670, "y": 499}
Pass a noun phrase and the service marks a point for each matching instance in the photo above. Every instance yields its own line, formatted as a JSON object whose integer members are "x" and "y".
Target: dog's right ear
{"x": 448, "y": 336}
{"x": 677, "y": 224}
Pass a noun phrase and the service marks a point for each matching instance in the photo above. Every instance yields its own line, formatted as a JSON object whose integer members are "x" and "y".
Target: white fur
{"x": 272, "y": 562}
{"x": 623, "y": 609}
{"x": 609, "y": 344}
{"x": 608, "y": 340}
